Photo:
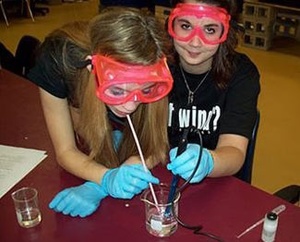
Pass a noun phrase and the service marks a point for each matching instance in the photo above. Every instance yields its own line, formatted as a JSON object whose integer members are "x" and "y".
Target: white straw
{"x": 142, "y": 156}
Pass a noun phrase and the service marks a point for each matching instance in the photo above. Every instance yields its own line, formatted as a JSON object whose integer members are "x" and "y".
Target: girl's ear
{"x": 89, "y": 66}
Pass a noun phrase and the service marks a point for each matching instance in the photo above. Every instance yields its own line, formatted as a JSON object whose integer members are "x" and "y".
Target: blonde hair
{"x": 133, "y": 37}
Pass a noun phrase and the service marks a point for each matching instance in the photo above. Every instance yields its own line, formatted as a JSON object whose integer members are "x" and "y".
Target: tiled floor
{"x": 278, "y": 147}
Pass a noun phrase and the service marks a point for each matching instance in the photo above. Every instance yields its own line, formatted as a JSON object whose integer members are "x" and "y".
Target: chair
{"x": 245, "y": 173}
{"x": 4, "y": 14}
{"x": 290, "y": 194}
{"x": 39, "y": 10}
{"x": 26, "y": 53}
{"x": 7, "y": 59}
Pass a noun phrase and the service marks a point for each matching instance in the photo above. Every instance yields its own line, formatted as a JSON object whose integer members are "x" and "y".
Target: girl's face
{"x": 197, "y": 30}
{"x": 195, "y": 52}
{"x": 128, "y": 89}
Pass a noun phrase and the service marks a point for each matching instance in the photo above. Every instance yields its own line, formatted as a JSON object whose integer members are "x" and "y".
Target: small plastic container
{"x": 269, "y": 227}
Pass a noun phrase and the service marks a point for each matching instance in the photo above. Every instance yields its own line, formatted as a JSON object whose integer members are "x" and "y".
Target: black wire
{"x": 196, "y": 228}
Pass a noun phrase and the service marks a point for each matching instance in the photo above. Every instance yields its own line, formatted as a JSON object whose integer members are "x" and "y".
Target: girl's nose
{"x": 131, "y": 106}
{"x": 196, "y": 41}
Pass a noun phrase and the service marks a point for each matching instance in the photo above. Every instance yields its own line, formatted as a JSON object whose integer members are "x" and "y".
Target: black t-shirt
{"x": 49, "y": 72}
{"x": 214, "y": 111}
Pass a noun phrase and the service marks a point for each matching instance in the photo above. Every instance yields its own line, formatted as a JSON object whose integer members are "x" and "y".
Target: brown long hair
{"x": 129, "y": 36}
{"x": 222, "y": 65}
{"x": 68, "y": 46}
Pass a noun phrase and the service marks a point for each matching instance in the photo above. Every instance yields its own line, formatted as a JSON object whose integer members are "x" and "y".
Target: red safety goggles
{"x": 209, "y": 23}
{"x": 119, "y": 83}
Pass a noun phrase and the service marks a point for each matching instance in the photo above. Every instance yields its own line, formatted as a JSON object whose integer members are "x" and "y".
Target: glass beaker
{"x": 159, "y": 222}
{"x": 26, "y": 206}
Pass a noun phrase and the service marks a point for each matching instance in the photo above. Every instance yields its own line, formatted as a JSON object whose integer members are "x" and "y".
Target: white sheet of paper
{"x": 15, "y": 163}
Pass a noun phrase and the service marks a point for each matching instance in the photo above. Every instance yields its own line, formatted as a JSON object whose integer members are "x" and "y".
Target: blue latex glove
{"x": 80, "y": 201}
{"x": 184, "y": 164}
{"x": 127, "y": 180}
{"x": 117, "y": 137}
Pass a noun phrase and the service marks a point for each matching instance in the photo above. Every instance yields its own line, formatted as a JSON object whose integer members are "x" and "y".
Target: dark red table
{"x": 224, "y": 206}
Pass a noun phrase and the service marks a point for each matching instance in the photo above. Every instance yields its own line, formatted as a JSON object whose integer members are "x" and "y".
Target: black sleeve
{"x": 241, "y": 100}
{"x": 48, "y": 70}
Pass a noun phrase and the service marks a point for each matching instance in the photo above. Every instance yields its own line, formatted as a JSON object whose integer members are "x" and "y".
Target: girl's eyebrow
{"x": 212, "y": 25}
{"x": 181, "y": 19}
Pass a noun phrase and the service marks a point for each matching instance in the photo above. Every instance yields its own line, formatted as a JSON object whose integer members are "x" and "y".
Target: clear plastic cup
{"x": 26, "y": 206}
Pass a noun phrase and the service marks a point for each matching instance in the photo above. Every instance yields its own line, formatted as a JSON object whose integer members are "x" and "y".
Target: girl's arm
{"x": 61, "y": 130}
{"x": 229, "y": 154}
